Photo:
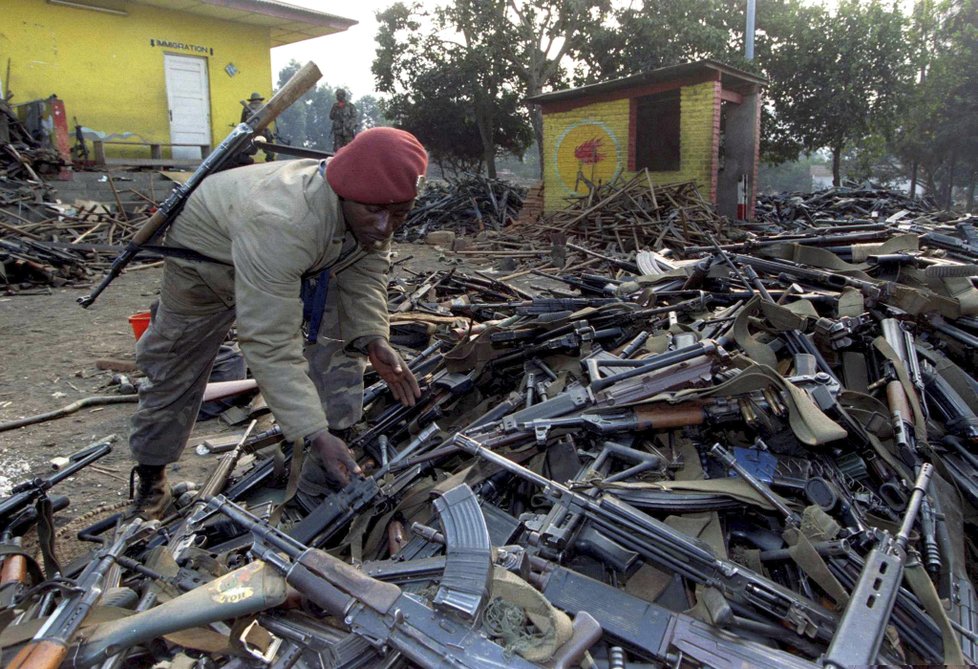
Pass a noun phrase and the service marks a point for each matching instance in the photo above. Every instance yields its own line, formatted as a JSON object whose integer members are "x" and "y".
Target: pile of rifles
{"x": 750, "y": 454}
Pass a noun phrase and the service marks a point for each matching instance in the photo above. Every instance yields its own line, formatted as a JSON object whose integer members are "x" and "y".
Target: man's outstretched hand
{"x": 336, "y": 457}
{"x": 394, "y": 371}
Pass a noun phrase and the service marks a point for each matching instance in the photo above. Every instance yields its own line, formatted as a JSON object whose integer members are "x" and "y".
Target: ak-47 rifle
{"x": 233, "y": 144}
{"x": 49, "y": 647}
{"x": 430, "y": 635}
{"x": 666, "y": 548}
{"x": 339, "y": 508}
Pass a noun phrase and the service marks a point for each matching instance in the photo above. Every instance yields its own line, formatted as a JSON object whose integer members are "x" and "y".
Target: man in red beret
{"x": 262, "y": 229}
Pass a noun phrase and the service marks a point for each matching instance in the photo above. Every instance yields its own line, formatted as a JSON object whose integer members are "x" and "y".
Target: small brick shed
{"x": 696, "y": 121}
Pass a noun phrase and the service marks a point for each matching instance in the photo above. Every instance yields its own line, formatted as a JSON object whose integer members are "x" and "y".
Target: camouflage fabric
{"x": 344, "y": 117}
{"x": 338, "y": 376}
{"x": 176, "y": 353}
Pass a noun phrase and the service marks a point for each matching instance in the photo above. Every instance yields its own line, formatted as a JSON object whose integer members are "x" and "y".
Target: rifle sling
{"x": 921, "y": 585}
{"x": 45, "y": 536}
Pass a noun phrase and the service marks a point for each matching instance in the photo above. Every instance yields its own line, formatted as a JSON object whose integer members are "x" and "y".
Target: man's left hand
{"x": 394, "y": 371}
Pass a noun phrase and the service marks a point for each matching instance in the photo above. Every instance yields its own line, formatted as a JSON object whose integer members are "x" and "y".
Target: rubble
{"x": 693, "y": 446}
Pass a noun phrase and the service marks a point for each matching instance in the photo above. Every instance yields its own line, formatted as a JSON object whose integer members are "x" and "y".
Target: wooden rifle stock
{"x": 669, "y": 416}
{"x": 40, "y": 655}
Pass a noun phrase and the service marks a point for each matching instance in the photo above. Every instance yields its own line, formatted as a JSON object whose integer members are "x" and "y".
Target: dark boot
{"x": 149, "y": 491}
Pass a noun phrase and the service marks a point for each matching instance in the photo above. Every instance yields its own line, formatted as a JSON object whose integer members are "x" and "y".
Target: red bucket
{"x": 139, "y": 322}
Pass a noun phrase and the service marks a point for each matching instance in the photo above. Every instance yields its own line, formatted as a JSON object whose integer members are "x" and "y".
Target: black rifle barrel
{"x": 24, "y": 493}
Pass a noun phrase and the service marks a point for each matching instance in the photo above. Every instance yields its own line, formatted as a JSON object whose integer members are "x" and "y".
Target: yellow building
{"x": 152, "y": 71}
{"x": 696, "y": 121}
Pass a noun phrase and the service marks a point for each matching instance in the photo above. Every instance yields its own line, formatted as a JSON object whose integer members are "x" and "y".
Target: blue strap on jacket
{"x": 313, "y": 293}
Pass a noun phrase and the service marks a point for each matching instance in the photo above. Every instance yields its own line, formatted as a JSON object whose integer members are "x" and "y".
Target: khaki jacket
{"x": 275, "y": 223}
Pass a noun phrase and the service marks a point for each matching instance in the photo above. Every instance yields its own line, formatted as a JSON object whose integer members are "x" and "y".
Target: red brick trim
{"x": 731, "y": 96}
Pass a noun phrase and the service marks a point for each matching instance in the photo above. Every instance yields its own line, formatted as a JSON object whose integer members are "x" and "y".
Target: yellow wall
{"x": 110, "y": 74}
{"x": 594, "y": 140}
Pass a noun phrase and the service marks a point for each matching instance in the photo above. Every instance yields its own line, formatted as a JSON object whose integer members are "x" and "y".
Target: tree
{"x": 512, "y": 49}
{"x": 938, "y": 133}
{"x": 371, "y": 113}
{"x": 440, "y": 113}
{"x": 445, "y": 76}
{"x": 659, "y": 33}
{"x": 835, "y": 79}
{"x": 537, "y": 36}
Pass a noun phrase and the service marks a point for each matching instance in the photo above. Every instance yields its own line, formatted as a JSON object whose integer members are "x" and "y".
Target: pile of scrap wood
{"x": 744, "y": 459}
{"x": 613, "y": 220}
{"x": 21, "y": 155}
{"x": 45, "y": 242}
{"x": 465, "y": 205}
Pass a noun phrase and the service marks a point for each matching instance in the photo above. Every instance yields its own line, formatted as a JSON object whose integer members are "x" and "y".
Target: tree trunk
{"x": 913, "y": 179}
{"x": 949, "y": 189}
{"x": 486, "y": 124}
{"x": 836, "y": 166}
{"x": 536, "y": 119}
{"x": 970, "y": 205}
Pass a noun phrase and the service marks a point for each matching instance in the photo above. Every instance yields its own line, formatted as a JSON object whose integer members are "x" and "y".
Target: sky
{"x": 344, "y": 58}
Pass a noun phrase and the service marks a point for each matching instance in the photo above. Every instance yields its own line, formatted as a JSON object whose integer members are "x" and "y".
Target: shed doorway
{"x": 188, "y": 100}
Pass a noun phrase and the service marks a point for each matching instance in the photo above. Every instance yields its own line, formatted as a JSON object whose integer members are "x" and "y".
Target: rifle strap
{"x": 807, "y": 421}
{"x": 814, "y": 256}
{"x": 900, "y": 243}
{"x": 873, "y": 415}
{"x": 45, "y": 536}
{"x": 920, "y": 424}
{"x": 781, "y": 318}
{"x": 292, "y": 486}
{"x": 921, "y": 585}
{"x": 804, "y": 555}
{"x": 17, "y": 634}
{"x": 851, "y": 303}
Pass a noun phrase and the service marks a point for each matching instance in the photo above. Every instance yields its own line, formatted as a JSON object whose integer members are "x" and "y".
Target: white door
{"x": 188, "y": 99}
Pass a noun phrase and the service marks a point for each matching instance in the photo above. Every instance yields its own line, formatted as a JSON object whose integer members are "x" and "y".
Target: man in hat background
{"x": 248, "y": 109}
{"x": 343, "y": 114}
{"x": 262, "y": 229}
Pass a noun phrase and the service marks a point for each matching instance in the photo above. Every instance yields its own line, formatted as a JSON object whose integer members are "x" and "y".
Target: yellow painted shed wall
{"x": 573, "y": 138}
{"x": 108, "y": 69}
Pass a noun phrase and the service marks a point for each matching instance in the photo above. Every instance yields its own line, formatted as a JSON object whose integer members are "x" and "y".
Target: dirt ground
{"x": 50, "y": 346}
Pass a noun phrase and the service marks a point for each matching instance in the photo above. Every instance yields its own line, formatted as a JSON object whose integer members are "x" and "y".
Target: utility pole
{"x": 749, "y": 32}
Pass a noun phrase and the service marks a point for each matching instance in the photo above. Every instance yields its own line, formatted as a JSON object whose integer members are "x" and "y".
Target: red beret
{"x": 380, "y": 166}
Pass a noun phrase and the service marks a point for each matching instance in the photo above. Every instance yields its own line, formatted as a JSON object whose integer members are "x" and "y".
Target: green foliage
{"x": 938, "y": 132}
{"x": 835, "y": 79}
{"x": 306, "y": 123}
{"x": 659, "y": 33}
{"x": 478, "y": 58}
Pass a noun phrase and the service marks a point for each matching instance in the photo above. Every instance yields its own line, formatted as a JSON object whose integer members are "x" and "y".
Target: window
{"x": 657, "y": 132}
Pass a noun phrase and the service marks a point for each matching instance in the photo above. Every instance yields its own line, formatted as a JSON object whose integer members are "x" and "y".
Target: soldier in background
{"x": 249, "y": 109}
{"x": 343, "y": 114}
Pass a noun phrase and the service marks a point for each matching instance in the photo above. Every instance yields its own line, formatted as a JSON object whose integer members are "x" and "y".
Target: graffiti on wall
{"x": 587, "y": 152}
